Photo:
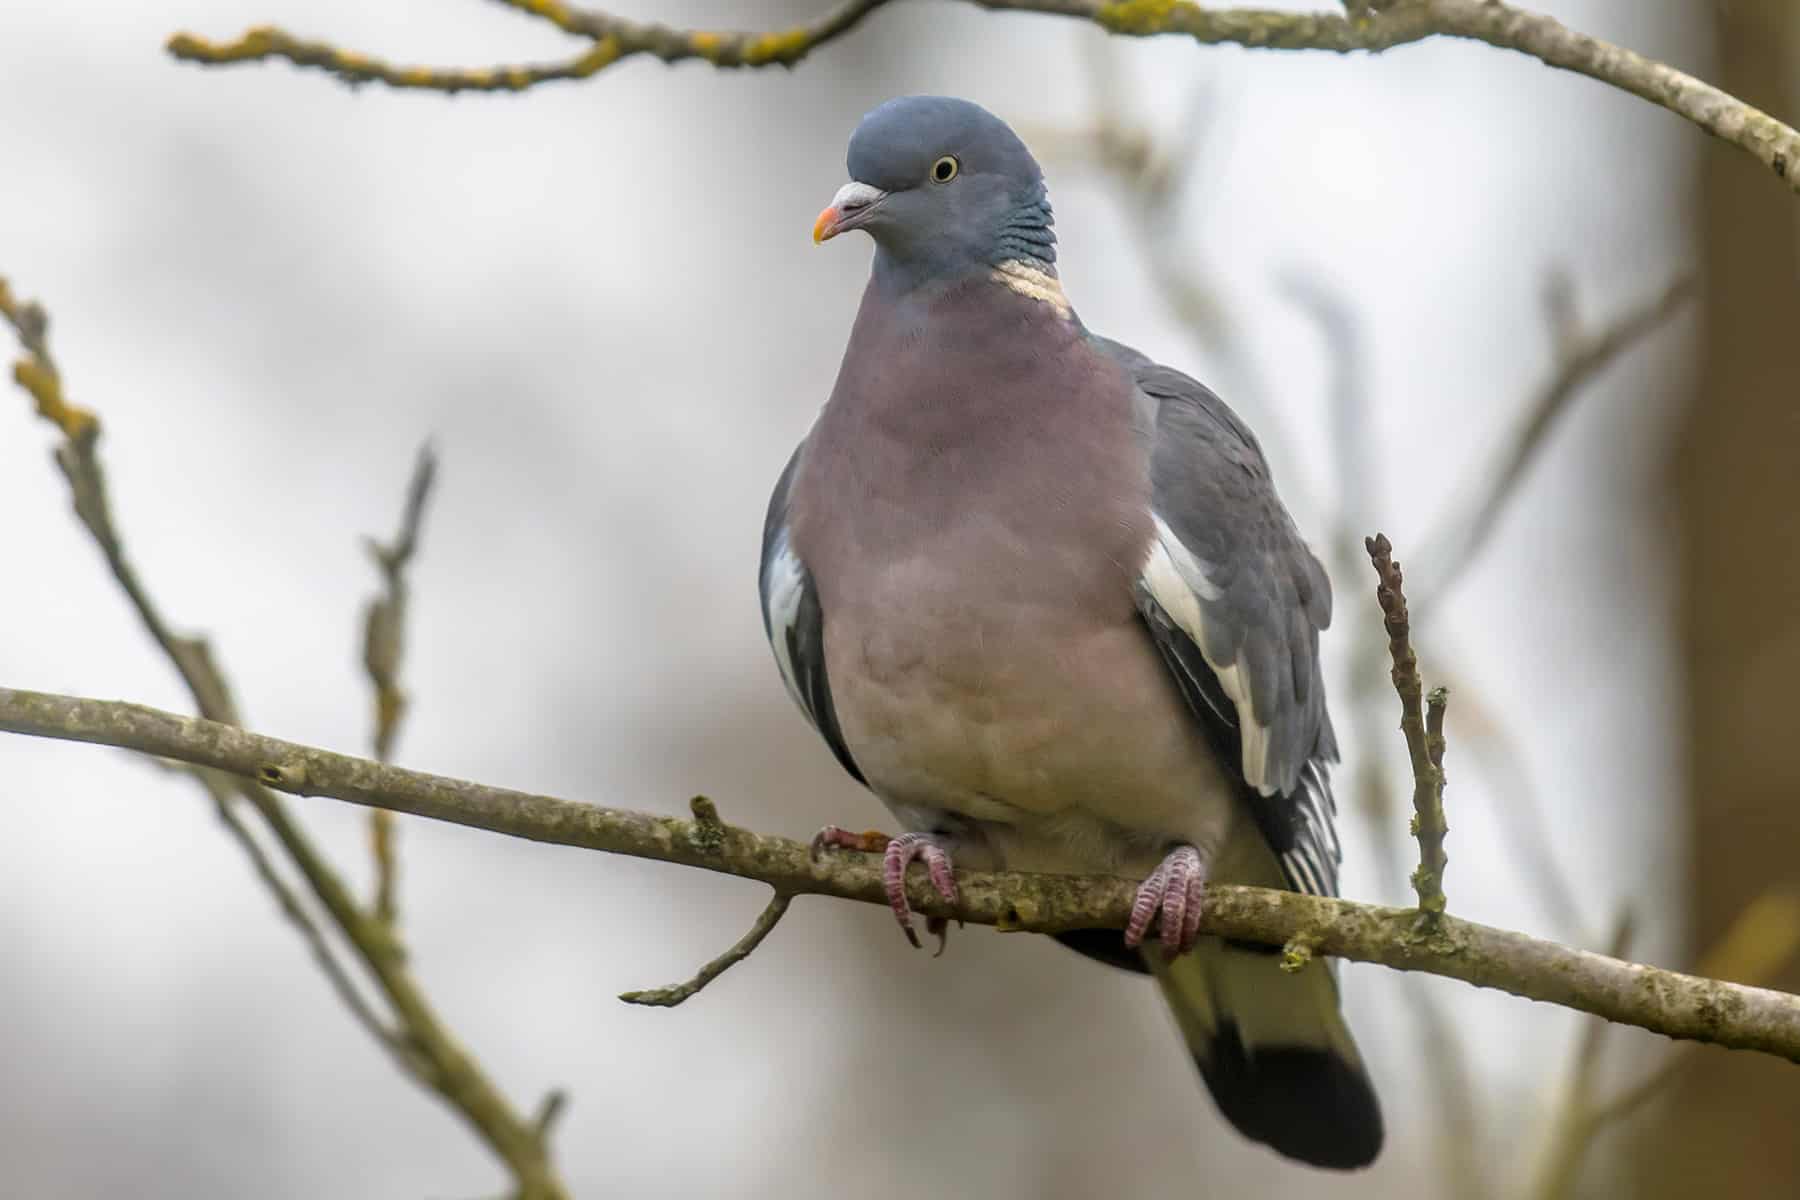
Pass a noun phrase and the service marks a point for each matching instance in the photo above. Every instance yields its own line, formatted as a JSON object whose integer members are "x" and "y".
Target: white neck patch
{"x": 1034, "y": 283}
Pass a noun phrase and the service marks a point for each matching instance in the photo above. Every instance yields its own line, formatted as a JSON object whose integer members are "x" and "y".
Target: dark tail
{"x": 1275, "y": 1052}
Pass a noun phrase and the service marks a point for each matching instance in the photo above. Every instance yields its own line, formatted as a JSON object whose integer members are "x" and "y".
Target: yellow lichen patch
{"x": 46, "y": 391}
{"x": 1299, "y": 951}
{"x": 604, "y": 54}
{"x": 1140, "y": 17}
{"x": 788, "y": 46}
{"x": 705, "y": 44}
{"x": 547, "y": 9}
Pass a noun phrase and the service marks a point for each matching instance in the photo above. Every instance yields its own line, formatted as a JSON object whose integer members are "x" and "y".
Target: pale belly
{"x": 1042, "y": 736}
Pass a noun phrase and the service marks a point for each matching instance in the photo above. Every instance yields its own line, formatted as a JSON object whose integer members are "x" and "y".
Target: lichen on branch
{"x": 1369, "y": 26}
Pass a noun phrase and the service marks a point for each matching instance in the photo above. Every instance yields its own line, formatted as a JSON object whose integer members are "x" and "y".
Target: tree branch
{"x": 224, "y": 792}
{"x": 384, "y": 641}
{"x": 1422, "y": 720}
{"x": 1666, "y": 1002}
{"x": 1371, "y": 27}
{"x": 677, "y": 993}
{"x": 435, "y": 1058}
{"x": 614, "y": 40}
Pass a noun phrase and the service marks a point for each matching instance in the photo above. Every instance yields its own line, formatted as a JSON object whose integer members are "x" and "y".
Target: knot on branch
{"x": 286, "y": 777}
{"x": 709, "y": 830}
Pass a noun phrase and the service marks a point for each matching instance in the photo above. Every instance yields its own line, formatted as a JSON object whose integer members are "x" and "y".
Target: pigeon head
{"x": 946, "y": 189}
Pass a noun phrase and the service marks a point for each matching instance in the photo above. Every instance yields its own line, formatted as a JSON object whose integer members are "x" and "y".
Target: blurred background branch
{"x": 384, "y": 642}
{"x": 417, "y": 1037}
{"x": 1581, "y": 354}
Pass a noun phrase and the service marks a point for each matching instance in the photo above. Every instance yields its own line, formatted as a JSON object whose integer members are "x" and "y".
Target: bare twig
{"x": 1357, "y": 482}
{"x": 223, "y": 789}
{"x": 1372, "y": 26}
{"x": 550, "y": 1110}
{"x": 1422, "y": 720}
{"x": 1581, "y": 356}
{"x": 384, "y": 640}
{"x": 354, "y": 68}
{"x": 614, "y": 40}
{"x": 676, "y": 993}
{"x": 37, "y": 372}
{"x": 1758, "y": 943}
{"x": 79, "y": 461}
{"x": 1570, "y": 1131}
{"x": 438, "y": 1061}
{"x": 1666, "y": 1002}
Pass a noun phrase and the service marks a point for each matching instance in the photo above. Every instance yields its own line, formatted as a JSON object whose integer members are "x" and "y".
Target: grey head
{"x": 946, "y": 189}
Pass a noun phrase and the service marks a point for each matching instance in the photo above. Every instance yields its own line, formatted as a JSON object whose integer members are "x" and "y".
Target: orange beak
{"x": 825, "y": 228}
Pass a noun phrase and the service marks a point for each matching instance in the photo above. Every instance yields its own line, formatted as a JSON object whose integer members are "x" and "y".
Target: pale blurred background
{"x": 600, "y": 301}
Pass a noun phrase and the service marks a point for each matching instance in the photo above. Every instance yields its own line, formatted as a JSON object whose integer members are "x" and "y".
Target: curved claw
{"x": 901, "y": 852}
{"x": 1173, "y": 895}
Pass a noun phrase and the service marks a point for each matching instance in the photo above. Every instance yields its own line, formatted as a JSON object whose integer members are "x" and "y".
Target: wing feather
{"x": 794, "y": 623}
{"x": 1236, "y": 602}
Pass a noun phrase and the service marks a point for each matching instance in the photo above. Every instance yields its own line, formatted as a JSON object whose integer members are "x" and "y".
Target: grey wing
{"x": 795, "y": 624}
{"x": 1236, "y": 602}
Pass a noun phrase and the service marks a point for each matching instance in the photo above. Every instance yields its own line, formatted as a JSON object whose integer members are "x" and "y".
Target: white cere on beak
{"x": 855, "y": 195}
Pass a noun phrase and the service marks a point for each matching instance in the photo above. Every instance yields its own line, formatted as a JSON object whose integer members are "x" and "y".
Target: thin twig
{"x": 1666, "y": 1002}
{"x": 1374, "y": 27}
{"x": 614, "y": 40}
{"x": 1357, "y": 478}
{"x": 1570, "y": 1131}
{"x": 223, "y": 790}
{"x": 37, "y": 372}
{"x": 550, "y": 1110}
{"x": 1762, "y": 939}
{"x": 1581, "y": 356}
{"x": 384, "y": 642}
{"x": 440, "y": 1063}
{"x": 676, "y": 993}
{"x": 1422, "y": 721}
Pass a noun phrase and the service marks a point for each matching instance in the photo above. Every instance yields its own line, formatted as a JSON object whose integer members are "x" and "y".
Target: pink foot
{"x": 901, "y": 851}
{"x": 1175, "y": 889}
{"x": 898, "y": 854}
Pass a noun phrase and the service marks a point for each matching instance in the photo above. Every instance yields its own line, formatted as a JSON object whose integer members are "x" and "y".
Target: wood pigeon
{"x": 1038, "y": 594}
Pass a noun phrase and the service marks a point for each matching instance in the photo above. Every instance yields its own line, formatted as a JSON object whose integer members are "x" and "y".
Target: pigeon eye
{"x": 944, "y": 169}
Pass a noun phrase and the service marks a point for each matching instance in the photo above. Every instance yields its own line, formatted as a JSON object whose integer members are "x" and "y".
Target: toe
{"x": 893, "y": 879}
{"x": 1174, "y": 908}
{"x": 1144, "y": 906}
{"x": 1190, "y": 922}
{"x": 943, "y": 876}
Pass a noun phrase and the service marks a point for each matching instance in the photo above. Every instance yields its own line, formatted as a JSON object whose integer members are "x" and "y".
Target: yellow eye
{"x": 944, "y": 169}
